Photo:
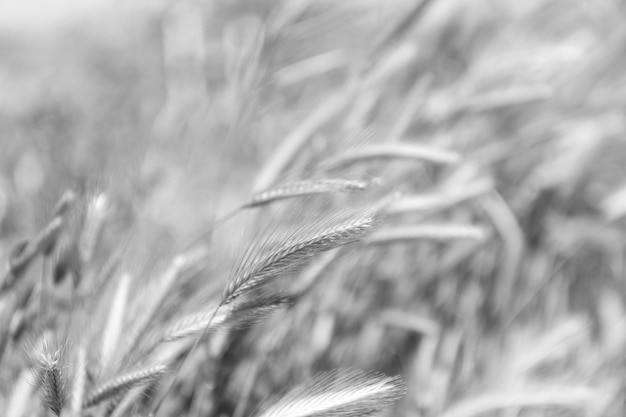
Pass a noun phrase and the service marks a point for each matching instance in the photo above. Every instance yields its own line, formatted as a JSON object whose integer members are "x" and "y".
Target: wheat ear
{"x": 285, "y": 252}
{"x": 305, "y": 188}
{"x": 123, "y": 383}
{"x": 394, "y": 151}
{"x": 50, "y": 378}
{"x": 338, "y": 394}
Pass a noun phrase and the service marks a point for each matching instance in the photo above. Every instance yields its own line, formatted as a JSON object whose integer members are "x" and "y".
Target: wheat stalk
{"x": 123, "y": 383}
{"x": 338, "y": 394}
{"x": 268, "y": 259}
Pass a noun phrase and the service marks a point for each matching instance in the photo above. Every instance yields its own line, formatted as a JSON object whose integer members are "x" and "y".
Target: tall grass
{"x": 315, "y": 209}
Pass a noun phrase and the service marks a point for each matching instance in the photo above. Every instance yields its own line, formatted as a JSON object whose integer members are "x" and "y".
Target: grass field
{"x": 313, "y": 208}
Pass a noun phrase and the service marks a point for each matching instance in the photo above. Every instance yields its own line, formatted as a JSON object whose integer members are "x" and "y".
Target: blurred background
{"x": 178, "y": 111}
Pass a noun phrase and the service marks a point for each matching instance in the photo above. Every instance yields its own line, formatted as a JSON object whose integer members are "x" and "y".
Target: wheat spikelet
{"x": 282, "y": 253}
{"x": 123, "y": 383}
{"x": 50, "y": 378}
{"x": 305, "y": 188}
{"x": 394, "y": 151}
{"x": 338, "y": 394}
{"x": 439, "y": 232}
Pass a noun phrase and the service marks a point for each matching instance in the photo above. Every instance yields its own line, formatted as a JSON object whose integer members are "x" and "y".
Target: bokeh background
{"x": 178, "y": 110}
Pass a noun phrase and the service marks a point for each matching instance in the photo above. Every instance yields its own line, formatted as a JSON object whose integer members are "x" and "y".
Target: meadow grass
{"x": 307, "y": 208}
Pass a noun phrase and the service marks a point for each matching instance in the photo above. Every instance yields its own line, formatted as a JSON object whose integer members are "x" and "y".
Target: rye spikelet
{"x": 49, "y": 374}
{"x": 285, "y": 252}
{"x": 123, "y": 383}
{"x": 305, "y": 188}
{"x": 338, "y": 394}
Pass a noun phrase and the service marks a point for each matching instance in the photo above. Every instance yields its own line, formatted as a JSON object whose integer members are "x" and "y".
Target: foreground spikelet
{"x": 283, "y": 253}
{"x": 305, "y": 188}
{"x": 338, "y": 394}
{"x": 50, "y": 378}
{"x": 123, "y": 383}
